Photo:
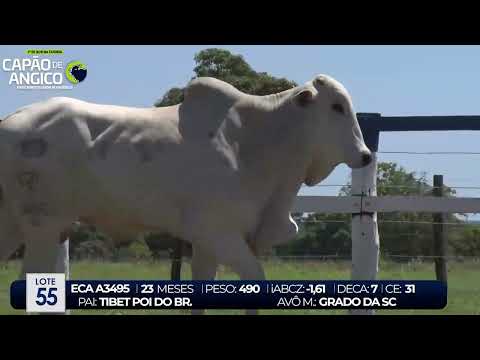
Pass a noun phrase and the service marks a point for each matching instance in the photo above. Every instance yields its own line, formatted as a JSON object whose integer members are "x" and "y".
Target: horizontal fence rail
{"x": 327, "y": 204}
{"x": 421, "y": 203}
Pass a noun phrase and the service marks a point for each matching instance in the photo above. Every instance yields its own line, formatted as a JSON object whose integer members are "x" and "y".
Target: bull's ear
{"x": 304, "y": 98}
{"x": 320, "y": 81}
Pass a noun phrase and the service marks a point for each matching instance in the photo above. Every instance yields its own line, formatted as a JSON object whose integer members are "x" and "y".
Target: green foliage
{"x": 137, "y": 250}
{"x": 233, "y": 69}
{"x": 87, "y": 243}
{"x": 468, "y": 243}
{"x": 320, "y": 234}
{"x": 393, "y": 179}
{"x": 172, "y": 97}
{"x": 91, "y": 249}
{"x": 220, "y": 63}
{"x": 163, "y": 244}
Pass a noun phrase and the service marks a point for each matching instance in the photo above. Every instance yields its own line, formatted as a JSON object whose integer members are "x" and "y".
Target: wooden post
{"x": 365, "y": 239}
{"x": 439, "y": 239}
{"x": 176, "y": 270}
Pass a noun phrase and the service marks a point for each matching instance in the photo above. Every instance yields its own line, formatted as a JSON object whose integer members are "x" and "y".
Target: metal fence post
{"x": 176, "y": 270}
{"x": 439, "y": 239}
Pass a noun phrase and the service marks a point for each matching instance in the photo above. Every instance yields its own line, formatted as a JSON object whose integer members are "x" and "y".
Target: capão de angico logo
{"x": 76, "y": 72}
{"x": 43, "y": 69}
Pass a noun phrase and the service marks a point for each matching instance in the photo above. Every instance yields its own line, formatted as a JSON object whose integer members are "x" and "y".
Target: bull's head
{"x": 333, "y": 131}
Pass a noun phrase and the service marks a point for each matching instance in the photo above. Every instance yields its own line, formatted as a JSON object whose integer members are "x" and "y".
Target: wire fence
{"x": 430, "y": 152}
{"x": 340, "y": 257}
{"x": 394, "y": 222}
{"x": 347, "y": 257}
{"x": 427, "y": 187}
{"x": 421, "y": 187}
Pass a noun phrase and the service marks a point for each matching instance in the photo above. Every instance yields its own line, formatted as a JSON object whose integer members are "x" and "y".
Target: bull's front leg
{"x": 234, "y": 252}
{"x": 274, "y": 231}
{"x": 213, "y": 246}
{"x": 204, "y": 267}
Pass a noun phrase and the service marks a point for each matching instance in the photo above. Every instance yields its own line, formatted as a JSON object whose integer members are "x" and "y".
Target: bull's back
{"x": 75, "y": 147}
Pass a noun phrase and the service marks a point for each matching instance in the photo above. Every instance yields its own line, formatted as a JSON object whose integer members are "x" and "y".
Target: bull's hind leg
{"x": 63, "y": 259}
{"x": 44, "y": 253}
{"x": 10, "y": 240}
{"x": 42, "y": 248}
{"x": 204, "y": 267}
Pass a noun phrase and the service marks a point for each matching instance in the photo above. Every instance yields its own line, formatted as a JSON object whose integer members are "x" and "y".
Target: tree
{"x": 172, "y": 97}
{"x": 233, "y": 69}
{"x": 466, "y": 242}
{"x": 320, "y": 234}
{"x": 221, "y": 64}
{"x": 393, "y": 179}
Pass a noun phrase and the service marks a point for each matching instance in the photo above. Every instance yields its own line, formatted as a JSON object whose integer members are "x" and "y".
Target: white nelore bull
{"x": 221, "y": 170}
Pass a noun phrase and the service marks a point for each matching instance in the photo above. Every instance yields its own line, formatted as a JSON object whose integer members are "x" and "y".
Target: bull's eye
{"x": 338, "y": 108}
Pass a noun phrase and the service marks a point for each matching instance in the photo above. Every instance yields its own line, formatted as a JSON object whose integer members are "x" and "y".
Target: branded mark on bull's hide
{"x": 31, "y": 148}
{"x": 28, "y": 180}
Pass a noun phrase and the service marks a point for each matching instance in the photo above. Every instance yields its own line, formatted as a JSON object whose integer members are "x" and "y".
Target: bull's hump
{"x": 205, "y": 87}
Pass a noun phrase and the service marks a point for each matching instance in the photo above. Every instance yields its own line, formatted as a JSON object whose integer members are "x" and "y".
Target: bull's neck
{"x": 277, "y": 162}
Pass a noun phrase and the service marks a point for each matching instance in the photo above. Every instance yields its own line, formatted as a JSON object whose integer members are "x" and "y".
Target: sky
{"x": 391, "y": 80}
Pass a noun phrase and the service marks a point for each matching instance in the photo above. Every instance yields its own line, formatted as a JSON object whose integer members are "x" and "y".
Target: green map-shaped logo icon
{"x": 76, "y": 72}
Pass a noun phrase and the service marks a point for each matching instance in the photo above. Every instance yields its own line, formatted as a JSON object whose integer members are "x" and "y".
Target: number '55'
{"x": 50, "y": 298}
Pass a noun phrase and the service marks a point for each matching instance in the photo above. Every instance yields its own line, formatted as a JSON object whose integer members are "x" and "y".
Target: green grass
{"x": 463, "y": 282}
